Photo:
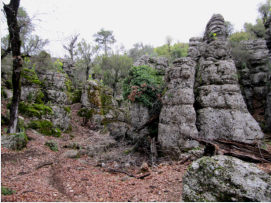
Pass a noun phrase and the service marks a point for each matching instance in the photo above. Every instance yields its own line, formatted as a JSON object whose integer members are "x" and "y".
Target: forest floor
{"x": 39, "y": 174}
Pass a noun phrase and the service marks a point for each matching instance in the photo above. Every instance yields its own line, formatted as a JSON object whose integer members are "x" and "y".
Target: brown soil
{"x": 82, "y": 179}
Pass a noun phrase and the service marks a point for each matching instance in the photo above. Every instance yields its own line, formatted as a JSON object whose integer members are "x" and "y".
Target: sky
{"x": 132, "y": 21}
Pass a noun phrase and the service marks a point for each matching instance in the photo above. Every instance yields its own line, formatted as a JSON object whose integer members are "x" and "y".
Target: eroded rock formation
{"x": 178, "y": 116}
{"x": 221, "y": 110}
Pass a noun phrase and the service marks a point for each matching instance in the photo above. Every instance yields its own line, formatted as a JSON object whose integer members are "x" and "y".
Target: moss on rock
{"x": 34, "y": 110}
{"x": 30, "y": 76}
{"x": 56, "y": 132}
{"x": 51, "y": 145}
{"x": 43, "y": 126}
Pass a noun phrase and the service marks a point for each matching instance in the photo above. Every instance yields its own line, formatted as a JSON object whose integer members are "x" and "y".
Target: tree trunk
{"x": 87, "y": 72}
{"x": 14, "y": 32}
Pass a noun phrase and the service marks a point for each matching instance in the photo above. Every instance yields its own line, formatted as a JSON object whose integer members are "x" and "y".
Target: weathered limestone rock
{"x": 225, "y": 179}
{"x": 254, "y": 77}
{"x": 221, "y": 110}
{"x": 61, "y": 118}
{"x": 57, "y": 87}
{"x": 15, "y": 141}
{"x": 99, "y": 104}
{"x": 268, "y": 97}
{"x": 215, "y": 29}
{"x": 268, "y": 112}
{"x": 267, "y": 26}
{"x": 178, "y": 117}
{"x": 160, "y": 64}
{"x": 30, "y": 85}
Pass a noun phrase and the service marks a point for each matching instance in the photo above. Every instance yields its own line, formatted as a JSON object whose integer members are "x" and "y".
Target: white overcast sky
{"x": 132, "y": 21}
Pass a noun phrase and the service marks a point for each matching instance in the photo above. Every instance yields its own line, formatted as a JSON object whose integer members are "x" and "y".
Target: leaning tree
{"x": 11, "y": 11}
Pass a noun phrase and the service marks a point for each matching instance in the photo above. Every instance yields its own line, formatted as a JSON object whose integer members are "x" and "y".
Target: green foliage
{"x": 39, "y": 96}
{"x": 43, "y": 126}
{"x": 51, "y": 145}
{"x": 114, "y": 69}
{"x": 56, "y": 132}
{"x": 77, "y": 96}
{"x": 240, "y": 36}
{"x": 58, "y": 66}
{"x": 36, "y": 110}
{"x": 230, "y": 27}
{"x": 139, "y": 50}
{"x": 30, "y": 76}
{"x": 67, "y": 109}
{"x": 104, "y": 38}
{"x": 86, "y": 113}
{"x": 143, "y": 85}
{"x": 265, "y": 10}
{"x": 8, "y": 84}
{"x": 257, "y": 30}
{"x": 3, "y": 93}
{"x": 177, "y": 50}
{"x": 7, "y": 191}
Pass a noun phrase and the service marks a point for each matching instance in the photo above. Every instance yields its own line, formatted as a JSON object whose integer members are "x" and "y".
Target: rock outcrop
{"x": 56, "y": 87}
{"x": 215, "y": 29}
{"x": 224, "y": 179}
{"x": 268, "y": 97}
{"x": 160, "y": 64}
{"x": 221, "y": 110}
{"x": 178, "y": 116}
{"x": 30, "y": 86}
{"x": 254, "y": 76}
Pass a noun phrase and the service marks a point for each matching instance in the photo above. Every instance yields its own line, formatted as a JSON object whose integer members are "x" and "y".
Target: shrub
{"x": 143, "y": 85}
{"x": 7, "y": 191}
{"x": 52, "y": 145}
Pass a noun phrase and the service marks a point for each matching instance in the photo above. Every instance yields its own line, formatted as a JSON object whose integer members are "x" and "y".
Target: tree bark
{"x": 14, "y": 32}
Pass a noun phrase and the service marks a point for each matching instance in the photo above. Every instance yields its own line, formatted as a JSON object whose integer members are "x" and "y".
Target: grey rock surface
{"x": 71, "y": 154}
{"x": 215, "y": 29}
{"x": 160, "y": 63}
{"x": 178, "y": 117}
{"x": 224, "y": 179}
{"x": 15, "y": 141}
{"x": 221, "y": 110}
{"x": 55, "y": 87}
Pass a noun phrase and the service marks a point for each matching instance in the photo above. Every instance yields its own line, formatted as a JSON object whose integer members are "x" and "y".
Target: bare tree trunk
{"x": 14, "y": 32}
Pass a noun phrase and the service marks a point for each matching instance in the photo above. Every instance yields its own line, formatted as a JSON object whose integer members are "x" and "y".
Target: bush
{"x": 143, "y": 85}
{"x": 52, "y": 145}
{"x": 7, "y": 191}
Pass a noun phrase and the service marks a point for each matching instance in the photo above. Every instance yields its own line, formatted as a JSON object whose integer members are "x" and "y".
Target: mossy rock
{"x": 4, "y": 120}
{"x": 39, "y": 96}
{"x": 34, "y": 110}
{"x": 86, "y": 113}
{"x": 51, "y": 145}
{"x": 3, "y": 93}
{"x": 30, "y": 77}
{"x": 8, "y": 84}
{"x": 77, "y": 96}
{"x": 68, "y": 130}
{"x": 67, "y": 109}
{"x": 56, "y": 132}
{"x": 43, "y": 126}
{"x": 14, "y": 141}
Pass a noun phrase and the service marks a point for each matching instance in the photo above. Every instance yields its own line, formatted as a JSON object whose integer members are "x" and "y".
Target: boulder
{"x": 71, "y": 154}
{"x": 224, "y": 179}
{"x": 14, "y": 141}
